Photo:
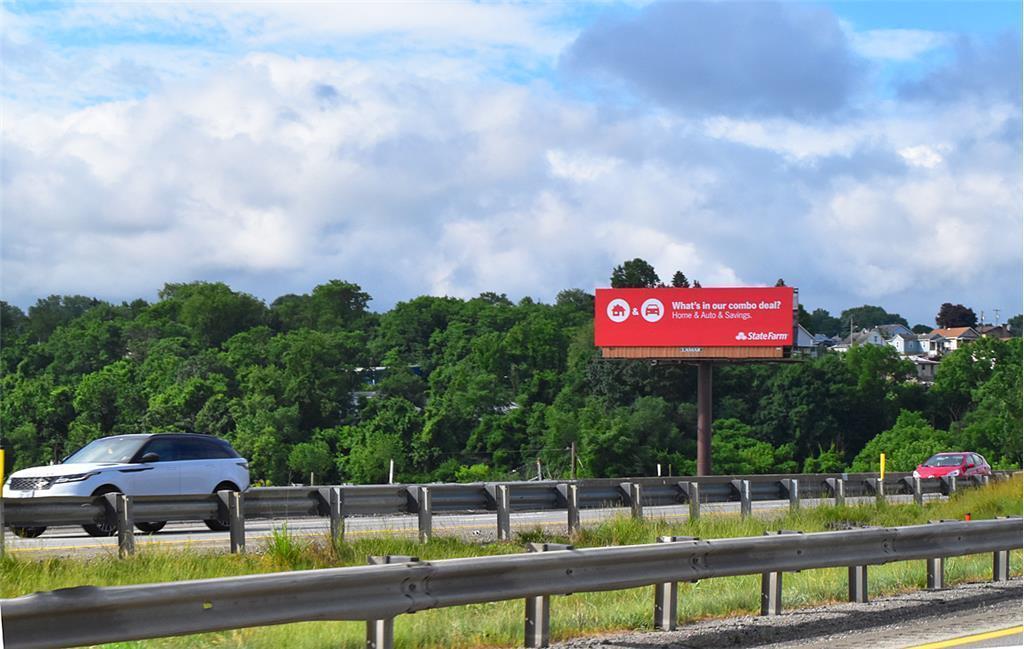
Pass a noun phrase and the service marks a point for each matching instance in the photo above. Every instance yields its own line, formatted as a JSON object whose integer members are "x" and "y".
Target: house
{"x": 925, "y": 368}
{"x": 994, "y": 331}
{"x": 905, "y": 344}
{"x": 862, "y": 337}
{"x": 931, "y": 344}
{"x": 806, "y": 342}
{"x": 618, "y": 311}
{"x": 955, "y": 337}
{"x": 890, "y": 330}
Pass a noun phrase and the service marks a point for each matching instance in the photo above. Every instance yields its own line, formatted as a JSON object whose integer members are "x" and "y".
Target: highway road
{"x": 176, "y": 536}
{"x": 972, "y": 616}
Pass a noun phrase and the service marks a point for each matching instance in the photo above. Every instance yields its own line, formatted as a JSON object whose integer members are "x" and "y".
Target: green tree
{"x": 679, "y": 280}
{"x": 867, "y": 316}
{"x": 46, "y": 315}
{"x": 211, "y": 311}
{"x": 909, "y": 442}
{"x": 955, "y": 315}
{"x": 734, "y": 450}
{"x": 828, "y": 460}
{"x": 822, "y": 322}
{"x": 635, "y": 273}
{"x": 994, "y": 425}
{"x": 1014, "y": 324}
{"x": 628, "y": 441}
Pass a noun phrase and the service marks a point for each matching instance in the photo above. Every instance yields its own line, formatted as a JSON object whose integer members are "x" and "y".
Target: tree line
{"x": 472, "y": 389}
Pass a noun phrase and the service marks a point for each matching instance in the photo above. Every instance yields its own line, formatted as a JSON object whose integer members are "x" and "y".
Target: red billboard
{"x": 694, "y": 317}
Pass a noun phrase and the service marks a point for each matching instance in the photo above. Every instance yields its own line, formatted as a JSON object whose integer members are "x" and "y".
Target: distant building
{"x": 994, "y": 331}
{"x": 955, "y": 337}
{"x": 925, "y": 368}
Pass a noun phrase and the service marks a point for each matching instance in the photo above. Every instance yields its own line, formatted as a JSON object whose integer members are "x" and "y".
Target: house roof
{"x": 995, "y": 331}
{"x": 955, "y": 332}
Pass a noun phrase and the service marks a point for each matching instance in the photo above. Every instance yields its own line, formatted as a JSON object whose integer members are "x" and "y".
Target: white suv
{"x": 164, "y": 464}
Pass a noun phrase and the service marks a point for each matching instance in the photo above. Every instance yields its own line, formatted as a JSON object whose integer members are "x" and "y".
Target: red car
{"x": 961, "y": 464}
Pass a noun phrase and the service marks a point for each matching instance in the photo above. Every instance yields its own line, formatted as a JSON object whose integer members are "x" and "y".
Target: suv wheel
{"x": 107, "y": 527}
{"x": 27, "y": 532}
{"x": 221, "y": 524}
{"x": 152, "y": 527}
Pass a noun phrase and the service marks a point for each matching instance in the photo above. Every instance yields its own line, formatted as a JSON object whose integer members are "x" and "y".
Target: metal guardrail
{"x": 338, "y": 503}
{"x": 377, "y": 593}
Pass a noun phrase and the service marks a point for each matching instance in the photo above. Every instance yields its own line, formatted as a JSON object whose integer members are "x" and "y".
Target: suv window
{"x": 978, "y": 460}
{"x": 165, "y": 447}
{"x": 198, "y": 448}
{"x": 192, "y": 449}
{"x": 218, "y": 449}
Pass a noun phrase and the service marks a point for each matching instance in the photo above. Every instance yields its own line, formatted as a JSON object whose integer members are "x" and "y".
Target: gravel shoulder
{"x": 884, "y": 623}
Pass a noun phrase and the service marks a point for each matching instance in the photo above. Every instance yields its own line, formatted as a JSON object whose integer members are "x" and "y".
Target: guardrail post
{"x": 918, "y": 492}
{"x": 572, "y": 500}
{"x": 771, "y": 586}
{"x": 1001, "y": 565}
{"x": 2, "y": 528}
{"x": 771, "y": 593}
{"x": 794, "y": 495}
{"x": 538, "y": 609}
{"x": 950, "y": 482}
{"x": 426, "y": 516}
{"x": 936, "y": 573}
{"x": 746, "y": 506}
{"x": 122, "y": 506}
{"x": 859, "y": 584}
{"x": 880, "y": 491}
{"x": 236, "y": 512}
{"x": 840, "y": 492}
{"x": 666, "y": 598}
{"x": 335, "y": 506}
{"x": 380, "y": 634}
{"x": 1000, "y": 561}
{"x": 503, "y": 505}
{"x": 632, "y": 491}
{"x": 694, "y": 497}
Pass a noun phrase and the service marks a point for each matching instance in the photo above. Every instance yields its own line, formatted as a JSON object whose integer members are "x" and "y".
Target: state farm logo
{"x": 651, "y": 310}
{"x": 763, "y": 335}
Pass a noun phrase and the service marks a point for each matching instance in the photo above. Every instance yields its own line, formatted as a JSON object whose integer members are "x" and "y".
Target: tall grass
{"x": 500, "y": 624}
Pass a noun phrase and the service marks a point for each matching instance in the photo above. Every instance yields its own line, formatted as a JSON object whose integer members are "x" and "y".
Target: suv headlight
{"x": 77, "y": 477}
{"x": 917, "y": 474}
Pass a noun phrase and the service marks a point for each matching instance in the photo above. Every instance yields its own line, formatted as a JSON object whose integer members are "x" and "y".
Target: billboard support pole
{"x": 704, "y": 418}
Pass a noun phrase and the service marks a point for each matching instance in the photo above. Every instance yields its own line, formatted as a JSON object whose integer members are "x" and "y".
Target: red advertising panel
{"x": 694, "y": 317}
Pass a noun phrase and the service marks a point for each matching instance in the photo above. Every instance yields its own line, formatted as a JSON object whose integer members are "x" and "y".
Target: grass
{"x": 500, "y": 624}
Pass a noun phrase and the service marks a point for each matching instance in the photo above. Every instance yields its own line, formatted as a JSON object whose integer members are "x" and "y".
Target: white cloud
{"x": 896, "y": 44}
{"x": 921, "y": 156}
{"x": 277, "y": 172}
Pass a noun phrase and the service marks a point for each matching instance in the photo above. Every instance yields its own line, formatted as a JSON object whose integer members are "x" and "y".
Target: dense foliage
{"x": 466, "y": 389}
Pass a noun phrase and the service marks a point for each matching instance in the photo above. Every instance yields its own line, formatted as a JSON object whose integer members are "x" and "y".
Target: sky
{"x": 865, "y": 152}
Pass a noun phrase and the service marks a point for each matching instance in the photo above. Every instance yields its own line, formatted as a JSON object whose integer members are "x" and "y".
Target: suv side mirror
{"x": 970, "y": 465}
{"x": 150, "y": 457}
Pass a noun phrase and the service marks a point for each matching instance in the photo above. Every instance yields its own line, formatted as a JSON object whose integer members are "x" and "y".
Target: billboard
{"x": 694, "y": 318}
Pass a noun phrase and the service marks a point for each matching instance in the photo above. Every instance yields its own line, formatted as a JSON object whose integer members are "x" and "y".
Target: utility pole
{"x": 572, "y": 460}
{"x": 704, "y": 418}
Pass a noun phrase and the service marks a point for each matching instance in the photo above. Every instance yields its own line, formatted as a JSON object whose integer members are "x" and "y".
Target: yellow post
{"x": 881, "y": 466}
{"x": 1, "y": 466}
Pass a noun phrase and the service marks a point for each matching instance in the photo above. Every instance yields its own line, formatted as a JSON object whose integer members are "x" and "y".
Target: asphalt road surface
{"x": 74, "y": 541}
{"x": 970, "y": 616}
